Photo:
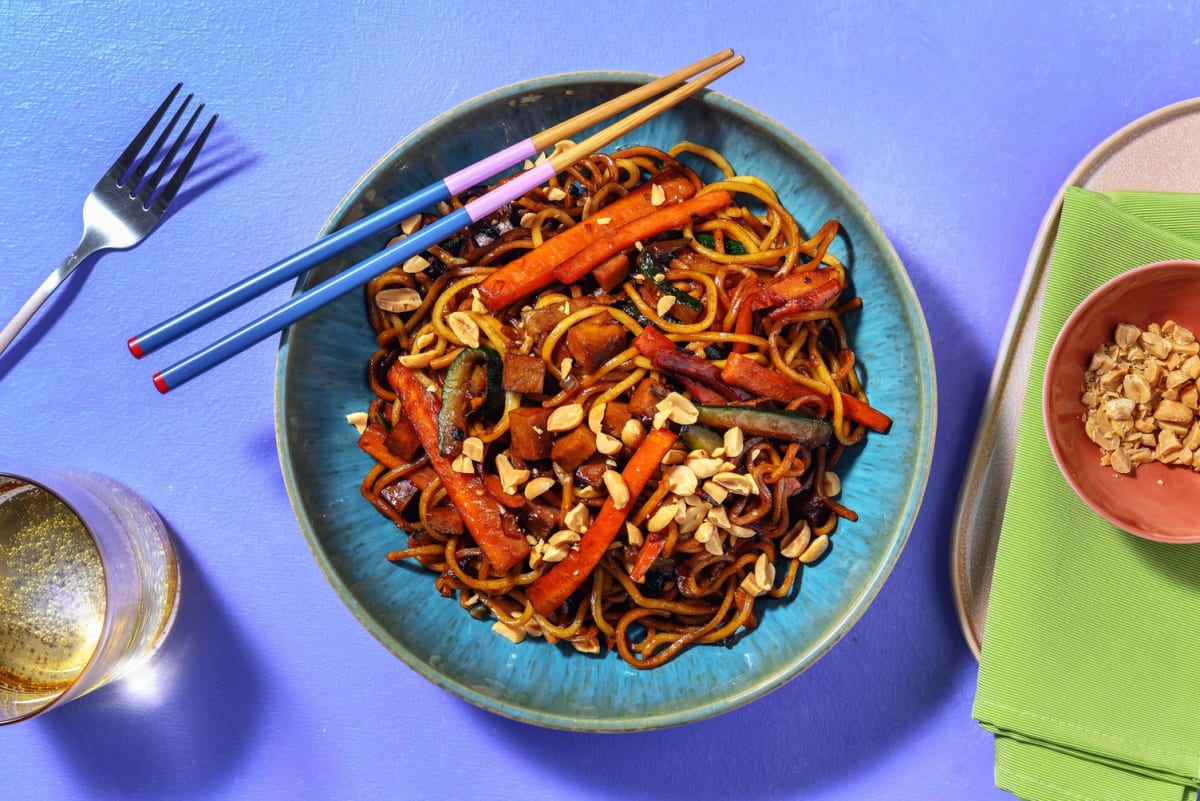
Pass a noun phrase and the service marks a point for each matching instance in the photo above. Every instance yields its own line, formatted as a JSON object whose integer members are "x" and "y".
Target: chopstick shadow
{"x": 902, "y": 661}
{"x": 177, "y": 727}
{"x": 222, "y": 158}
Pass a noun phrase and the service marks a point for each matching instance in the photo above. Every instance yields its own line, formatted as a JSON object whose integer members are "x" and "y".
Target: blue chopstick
{"x": 323, "y": 249}
{"x": 332, "y": 288}
{"x": 326, "y": 248}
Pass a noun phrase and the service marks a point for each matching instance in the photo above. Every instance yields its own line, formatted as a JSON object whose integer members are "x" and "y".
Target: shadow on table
{"x": 893, "y": 669}
{"x": 178, "y": 726}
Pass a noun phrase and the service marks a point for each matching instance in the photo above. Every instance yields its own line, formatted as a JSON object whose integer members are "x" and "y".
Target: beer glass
{"x": 89, "y": 585}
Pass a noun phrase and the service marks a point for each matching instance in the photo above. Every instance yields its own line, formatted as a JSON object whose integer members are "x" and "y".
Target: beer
{"x": 52, "y": 597}
{"x": 88, "y": 586}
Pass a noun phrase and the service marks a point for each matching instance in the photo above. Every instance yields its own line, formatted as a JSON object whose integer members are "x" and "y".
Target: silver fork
{"x": 124, "y": 206}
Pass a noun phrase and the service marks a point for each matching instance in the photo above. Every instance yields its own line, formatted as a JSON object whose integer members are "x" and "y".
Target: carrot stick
{"x": 652, "y": 546}
{"x": 480, "y": 511}
{"x": 373, "y": 440}
{"x": 555, "y": 586}
{"x": 750, "y": 375}
{"x": 651, "y": 341}
{"x": 744, "y": 322}
{"x": 806, "y": 291}
{"x": 664, "y": 218}
{"x": 533, "y": 271}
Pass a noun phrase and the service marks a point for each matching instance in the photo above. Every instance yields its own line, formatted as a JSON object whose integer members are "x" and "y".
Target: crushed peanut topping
{"x": 564, "y": 418}
{"x": 410, "y": 224}
{"x": 633, "y": 432}
{"x": 677, "y": 409}
{"x": 358, "y": 420}
{"x": 661, "y": 518}
{"x": 418, "y": 360}
{"x": 398, "y": 299}
{"x": 511, "y": 478}
{"x": 511, "y": 633}
{"x": 1142, "y": 397}
{"x": 680, "y": 480}
{"x": 618, "y": 490}
{"x": 538, "y": 486}
{"x": 472, "y": 448}
{"x": 464, "y": 328}
{"x": 796, "y": 542}
{"x": 608, "y": 445}
{"x": 416, "y": 264}
{"x": 815, "y": 549}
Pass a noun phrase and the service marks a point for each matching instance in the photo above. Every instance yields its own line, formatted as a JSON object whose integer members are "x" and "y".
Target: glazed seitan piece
{"x": 573, "y": 448}
{"x": 594, "y": 341}
{"x": 524, "y": 374}
{"x": 527, "y": 429}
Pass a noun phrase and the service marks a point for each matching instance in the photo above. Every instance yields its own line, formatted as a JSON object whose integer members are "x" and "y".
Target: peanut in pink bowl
{"x": 1154, "y": 500}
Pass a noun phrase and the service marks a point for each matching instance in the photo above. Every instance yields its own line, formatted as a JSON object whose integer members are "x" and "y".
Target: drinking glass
{"x": 89, "y": 585}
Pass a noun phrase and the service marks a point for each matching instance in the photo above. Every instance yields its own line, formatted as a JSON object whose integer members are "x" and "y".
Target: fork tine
{"x": 168, "y": 193}
{"x": 135, "y": 177}
{"x": 153, "y": 182}
{"x": 117, "y": 170}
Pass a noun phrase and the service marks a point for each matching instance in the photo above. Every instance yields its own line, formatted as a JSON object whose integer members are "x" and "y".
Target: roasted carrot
{"x": 802, "y": 291}
{"x": 639, "y": 229}
{"x": 752, "y": 376}
{"x": 555, "y": 586}
{"x": 522, "y": 277}
{"x": 744, "y": 322}
{"x": 492, "y": 482}
{"x": 651, "y": 341}
{"x": 480, "y": 511}
{"x": 373, "y": 440}
{"x": 652, "y": 546}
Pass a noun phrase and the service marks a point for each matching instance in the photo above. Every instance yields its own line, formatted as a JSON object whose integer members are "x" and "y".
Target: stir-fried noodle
{"x": 611, "y": 413}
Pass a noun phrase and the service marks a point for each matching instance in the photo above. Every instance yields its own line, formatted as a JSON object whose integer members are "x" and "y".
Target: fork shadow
{"x": 180, "y": 725}
{"x": 222, "y": 158}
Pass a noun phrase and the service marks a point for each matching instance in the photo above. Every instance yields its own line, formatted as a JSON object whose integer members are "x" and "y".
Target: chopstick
{"x": 325, "y": 248}
{"x": 475, "y": 210}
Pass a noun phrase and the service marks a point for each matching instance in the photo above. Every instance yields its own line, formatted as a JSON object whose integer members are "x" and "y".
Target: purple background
{"x": 956, "y": 127}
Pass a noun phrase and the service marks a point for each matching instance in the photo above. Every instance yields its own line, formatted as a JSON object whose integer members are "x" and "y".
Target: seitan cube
{"x": 524, "y": 374}
{"x": 527, "y": 431}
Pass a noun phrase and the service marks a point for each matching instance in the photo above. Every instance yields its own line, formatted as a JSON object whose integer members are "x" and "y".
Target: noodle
{"x": 726, "y": 331}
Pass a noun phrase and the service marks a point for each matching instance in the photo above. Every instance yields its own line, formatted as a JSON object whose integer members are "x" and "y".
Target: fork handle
{"x": 89, "y": 244}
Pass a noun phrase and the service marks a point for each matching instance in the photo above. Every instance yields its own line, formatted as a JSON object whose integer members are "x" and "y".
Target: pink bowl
{"x": 1155, "y": 501}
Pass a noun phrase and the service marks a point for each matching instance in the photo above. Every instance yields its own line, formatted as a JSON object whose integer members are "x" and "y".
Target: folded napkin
{"x": 1090, "y": 673}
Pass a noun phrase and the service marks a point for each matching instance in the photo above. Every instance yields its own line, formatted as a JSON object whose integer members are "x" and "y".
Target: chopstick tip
{"x": 135, "y": 348}
{"x": 160, "y": 383}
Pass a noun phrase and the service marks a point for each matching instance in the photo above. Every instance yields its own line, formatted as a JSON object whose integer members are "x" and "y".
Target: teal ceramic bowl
{"x": 321, "y": 379}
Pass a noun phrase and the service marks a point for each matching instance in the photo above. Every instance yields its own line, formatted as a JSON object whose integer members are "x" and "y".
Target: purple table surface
{"x": 955, "y": 126}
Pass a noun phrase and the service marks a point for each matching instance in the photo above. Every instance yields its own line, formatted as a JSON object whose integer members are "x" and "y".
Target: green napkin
{"x": 1090, "y": 673}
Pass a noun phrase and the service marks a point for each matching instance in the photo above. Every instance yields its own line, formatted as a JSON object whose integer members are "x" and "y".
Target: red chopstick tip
{"x": 160, "y": 383}
{"x": 135, "y": 348}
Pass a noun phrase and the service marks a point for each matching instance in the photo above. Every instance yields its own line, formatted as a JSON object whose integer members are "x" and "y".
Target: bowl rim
{"x": 906, "y": 514}
{"x": 1054, "y": 361}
